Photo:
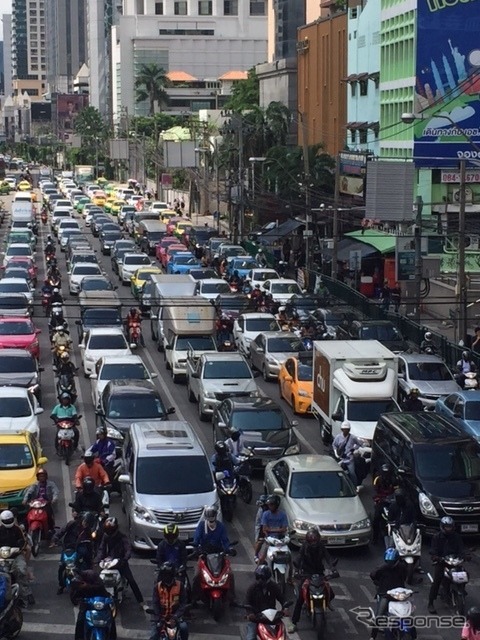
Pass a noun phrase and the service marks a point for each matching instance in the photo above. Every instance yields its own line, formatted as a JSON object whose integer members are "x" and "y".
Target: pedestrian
{"x": 287, "y": 250}
{"x": 182, "y": 204}
{"x": 396, "y": 295}
{"x": 476, "y": 342}
{"x": 386, "y": 296}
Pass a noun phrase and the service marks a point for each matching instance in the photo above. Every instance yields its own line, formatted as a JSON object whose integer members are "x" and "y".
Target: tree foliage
{"x": 90, "y": 124}
{"x": 150, "y": 84}
{"x": 245, "y": 93}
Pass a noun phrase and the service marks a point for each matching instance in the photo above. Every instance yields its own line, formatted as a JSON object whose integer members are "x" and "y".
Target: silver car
{"x": 270, "y": 349}
{"x": 427, "y": 373}
{"x": 315, "y": 492}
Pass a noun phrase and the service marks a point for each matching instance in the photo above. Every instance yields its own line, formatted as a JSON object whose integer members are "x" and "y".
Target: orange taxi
{"x": 296, "y": 385}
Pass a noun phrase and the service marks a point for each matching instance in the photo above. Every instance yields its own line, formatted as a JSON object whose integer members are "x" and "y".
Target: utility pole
{"x": 238, "y": 229}
{"x": 336, "y": 198}
{"x": 462, "y": 277}
{"x": 417, "y": 235}
{"x": 308, "y": 206}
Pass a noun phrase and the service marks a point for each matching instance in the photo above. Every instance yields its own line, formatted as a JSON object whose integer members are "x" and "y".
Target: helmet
{"x": 447, "y": 525}
{"x": 56, "y": 290}
{"x": 65, "y": 396}
{"x": 64, "y": 355}
{"x": 88, "y": 456}
{"x": 235, "y": 434}
{"x": 170, "y": 533}
{"x": 345, "y": 425}
{"x": 7, "y": 519}
{"x": 262, "y": 500}
{"x": 313, "y": 537}
{"x": 414, "y": 392}
{"x": 88, "y": 485}
{"x": 260, "y": 251}
{"x": 42, "y": 472}
{"x": 391, "y": 555}
{"x": 473, "y": 617}
{"x": 210, "y": 514}
{"x": 133, "y": 310}
{"x": 386, "y": 468}
{"x": 273, "y": 500}
{"x": 263, "y": 573}
{"x": 428, "y": 335}
{"x": 465, "y": 354}
{"x": 110, "y": 526}
{"x": 100, "y": 432}
{"x": 400, "y": 497}
{"x": 166, "y": 573}
{"x": 221, "y": 448}
{"x": 89, "y": 520}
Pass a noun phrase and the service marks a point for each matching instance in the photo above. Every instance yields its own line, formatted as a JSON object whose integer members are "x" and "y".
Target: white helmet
{"x": 7, "y": 518}
{"x": 345, "y": 425}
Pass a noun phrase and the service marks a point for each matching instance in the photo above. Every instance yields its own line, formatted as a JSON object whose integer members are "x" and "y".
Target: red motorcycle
{"x": 135, "y": 333}
{"x": 65, "y": 437}
{"x": 37, "y": 523}
{"x": 216, "y": 578}
{"x": 270, "y": 625}
{"x": 46, "y": 298}
{"x": 44, "y": 216}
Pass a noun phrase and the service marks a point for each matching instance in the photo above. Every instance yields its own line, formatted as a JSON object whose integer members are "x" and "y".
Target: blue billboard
{"x": 447, "y": 89}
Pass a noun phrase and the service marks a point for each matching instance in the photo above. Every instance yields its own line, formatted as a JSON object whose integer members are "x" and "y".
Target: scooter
{"x": 99, "y": 617}
{"x": 270, "y": 625}
{"x": 317, "y": 593}
{"x": 279, "y": 559}
{"x": 455, "y": 579}
{"x": 65, "y": 438}
{"x": 44, "y": 216}
{"x": 135, "y": 334}
{"x": 168, "y": 629}
{"x": 227, "y": 488}
{"x": 11, "y": 618}
{"x": 400, "y": 610}
{"x": 46, "y": 297}
{"x": 113, "y": 580}
{"x": 407, "y": 540}
{"x": 37, "y": 523}
{"x": 215, "y": 581}
{"x": 66, "y": 384}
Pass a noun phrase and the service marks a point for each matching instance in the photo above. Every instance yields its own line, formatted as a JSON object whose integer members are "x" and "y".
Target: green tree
{"x": 150, "y": 84}
{"x": 89, "y": 124}
{"x": 245, "y": 93}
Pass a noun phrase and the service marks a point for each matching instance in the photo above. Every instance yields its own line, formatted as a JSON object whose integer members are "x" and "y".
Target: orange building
{"x": 322, "y": 90}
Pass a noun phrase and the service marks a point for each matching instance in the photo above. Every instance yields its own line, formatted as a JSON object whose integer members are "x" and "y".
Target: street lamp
{"x": 409, "y": 118}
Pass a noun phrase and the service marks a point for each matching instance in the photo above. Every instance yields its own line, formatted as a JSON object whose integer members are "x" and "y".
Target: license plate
{"x": 336, "y": 540}
{"x": 469, "y": 528}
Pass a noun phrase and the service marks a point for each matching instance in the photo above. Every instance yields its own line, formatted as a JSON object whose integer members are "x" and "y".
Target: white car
{"x": 130, "y": 263}
{"x": 259, "y": 276}
{"x": 63, "y": 204}
{"x": 78, "y": 272}
{"x": 65, "y": 235}
{"x": 118, "y": 368}
{"x": 249, "y": 325}
{"x": 100, "y": 342}
{"x": 67, "y": 223}
{"x": 282, "y": 289}
{"x": 19, "y": 410}
{"x": 211, "y": 288}
{"x": 18, "y": 249}
{"x": 11, "y": 181}
{"x": 158, "y": 206}
{"x": 17, "y": 285}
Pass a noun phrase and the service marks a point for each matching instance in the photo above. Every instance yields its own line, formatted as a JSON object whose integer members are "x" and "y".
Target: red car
{"x": 172, "y": 223}
{"x": 19, "y": 333}
{"x": 25, "y": 263}
{"x": 173, "y": 248}
{"x": 163, "y": 245}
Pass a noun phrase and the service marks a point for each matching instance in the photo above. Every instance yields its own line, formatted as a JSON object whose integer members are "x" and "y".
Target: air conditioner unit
{"x": 472, "y": 242}
{"x": 328, "y": 244}
{"x": 468, "y": 195}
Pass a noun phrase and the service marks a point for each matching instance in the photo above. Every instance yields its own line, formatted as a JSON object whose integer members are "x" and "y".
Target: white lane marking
{"x": 349, "y": 627}
{"x": 368, "y": 594}
{"x": 129, "y": 634}
{"x": 346, "y": 595}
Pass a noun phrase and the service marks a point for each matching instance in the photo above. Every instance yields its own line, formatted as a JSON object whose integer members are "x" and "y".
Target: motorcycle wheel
{"x": 217, "y": 609}
{"x": 319, "y": 622}
{"x": 280, "y": 580}
{"x": 458, "y": 600}
{"x": 15, "y": 624}
{"x": 245, "y": 491}
{"x": 410, "y": 572}
{"x": 36, "y": 537}
{"x": 227, "y": 511}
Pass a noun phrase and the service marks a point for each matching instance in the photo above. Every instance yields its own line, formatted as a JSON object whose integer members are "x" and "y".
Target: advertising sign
{"x": 352, "y": 171}
{"x": 447, "y": 83}
{"x": 453, "y": 177}
{"x": 68, "y": 108}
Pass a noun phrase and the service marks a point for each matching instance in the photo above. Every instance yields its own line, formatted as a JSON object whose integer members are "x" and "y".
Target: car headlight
{"x": 272, "y": 360}
{"x": 114, "y": 433}
{"x": 143, "y": 514}
{"x": 304, "y": 394}
{"x": 427, "y": 508}
{"x": 247, "y": 340}
{"x": 292, "y": 450}
{"x": 255, "y": 394}
{"x": 209, "y": 394}
{"x": 361, "y": 524}
{"x": 301, "y": 525}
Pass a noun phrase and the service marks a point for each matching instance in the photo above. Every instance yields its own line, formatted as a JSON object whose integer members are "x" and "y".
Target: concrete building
{"x": 203, "y": 38}
{"x": 363, "y": 80}
{"x": 28, "y": 48}
{"x": 2, "y": 72}
{"x": 7, "y": 53}
{"x": 66, "y": 42}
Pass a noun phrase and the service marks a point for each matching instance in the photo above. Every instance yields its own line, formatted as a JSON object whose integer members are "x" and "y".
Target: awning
{"x": 362, "y": 76}
{"x": 382, "y": 242}
{"x": 351, "y": 78}
{"x": 346, "y": 246}
{"x": 282, "y": 230}
{"x": 357, "y": 125}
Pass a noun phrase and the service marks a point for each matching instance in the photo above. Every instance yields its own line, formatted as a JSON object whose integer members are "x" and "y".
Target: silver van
{"x": 166, "y": 479}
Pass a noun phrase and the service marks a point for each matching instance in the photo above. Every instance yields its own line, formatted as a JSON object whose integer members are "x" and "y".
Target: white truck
{"x": 354, "y": 380}
{"x": 188, "y": 330}
{"x": 167, "y": 286}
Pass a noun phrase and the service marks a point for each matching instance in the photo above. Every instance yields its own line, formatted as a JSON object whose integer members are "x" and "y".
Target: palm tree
{"x": 150, "y": 85}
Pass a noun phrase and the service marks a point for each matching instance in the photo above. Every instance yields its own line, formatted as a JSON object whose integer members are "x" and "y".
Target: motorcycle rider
{"x": 427, "y": 345}
{"x": 345, "y": 445}
{"x": 274, "y": 522}
{"x": 236, "y": 280}
{"x": 49, "y": 246}
{"x": 464, "y": 366}
{"x": 88, "y": 499}
{"x": 12, "y": 535}
{"x": 171, "y": 548}
{"x": 114, "y": 544}
{"x": 412, "y": 402}
{"x": 53, "y": 274}
{"x": 43, "y": 489}
{"x": 104, "y": 449}
{"x": 88, "y": 585}
{"x": 444, "y": 543}
{"x": 471, "y": 628}
{"x": 234, "y": 443}
{"x": 262, "y": 594}
{"x": 402, "y": 510}
{"x": 391, "y": 575}
{"x": 256, "y": 294}
{"x": 384, "y": 485}
{"x": 169, "y": 600}
{"x": 222, "y": 459}
{"x": 91, "y": 467}
{"x": 260, "y": 259}
{"x": 312, "y": 560}
{"x": 65, "y": 409}
{"x": 60, "y": 339}
{"x": 134, "y": 317}
{"x": 66, "y": 367}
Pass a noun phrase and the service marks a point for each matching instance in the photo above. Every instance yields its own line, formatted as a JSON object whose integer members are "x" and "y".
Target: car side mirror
{"x": 221, "y": 425}
{"x": 42, "y": 460}
{"x": 294, "y": 423}
{"x": 171, "y": 410}
{"x": 124, "y": 478}
{"x": 256, "y": 374}
{"x": 168, "y": 347}
{"x": 401, "y": 376}
{"x": 40, "y": 369}
{"x": 337, "y": 416}
{"x": 38, "y": 411}
{"x": 404, "y": 471}
{"x": 37, "y": 331}
{"x": 279, "y": 492}
{"x": 153, "y": 374}
{"x": 457, "y": 414}
{"x": 93, "y": 376}
{"x": 78, "y": 323}
{"x": 288, "y": 378}
{"x": 195, "y": 374}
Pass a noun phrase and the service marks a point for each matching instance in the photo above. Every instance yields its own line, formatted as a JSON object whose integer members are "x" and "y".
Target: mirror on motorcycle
{"x": 404, "y": 471}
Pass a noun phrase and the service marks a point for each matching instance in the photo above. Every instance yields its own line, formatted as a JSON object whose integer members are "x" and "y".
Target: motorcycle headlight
{"x": 427, "y": 508}
{"x": 292, "y": 450}
{"x": 207, "y": 578}
{"x": 361, "y": 524}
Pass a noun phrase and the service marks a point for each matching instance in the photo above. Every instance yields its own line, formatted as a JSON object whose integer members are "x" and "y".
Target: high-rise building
{"x": 2, "y": 72}
{"x": 28, "y": 48}
{"x": 66, "y": 43}
{"x": 7, "y": 53}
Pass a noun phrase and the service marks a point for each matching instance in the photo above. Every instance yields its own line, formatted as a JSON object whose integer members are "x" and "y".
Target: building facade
{"x": 28, "y": 48}
{"x": 204, "y": 38}
{"x": 7, "y": 54}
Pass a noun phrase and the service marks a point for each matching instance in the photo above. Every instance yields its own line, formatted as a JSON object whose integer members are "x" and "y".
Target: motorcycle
{"x": 57, "y": 353}
{"x": 37, "y": 523}
{"x": 455, "y": 579}
{"x": 226, "y": 346}
{"x": 99, "y": 617}
{"x": 400, "y": 610}
{"x": 54, "y": 281}
{"x": 407, "y": 540}
{"x": 46, "y": 297}
{"x": 317, "y": 594}
{"x": 471, "y": 381}
{"x": 182, "y": 575}
{"x": 134, "y": 334}
{"x": 215, "y": 574}
{"x": 279, "y": 559}
{"x": 270, "y": 625}
{"x": 11, "y": 618}
{"x": 44, "y": 216}
{"x": 65, "y": 438}
{"x": 66, "y": 384}
{"x": 7, "y": 558}
{"x": 168, "y": 629}
{"x": 229, "y": 484}
{"x": 112, "y": 579}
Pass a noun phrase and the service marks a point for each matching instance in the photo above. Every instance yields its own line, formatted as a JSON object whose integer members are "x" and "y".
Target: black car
{"x": 199, "y": 236}
{"x": 107, "y": 240}
{"x": 18, "y": 368}
{"x": 264, "y": 426}
{"x": 203, "y": 273}
{"x": 437, "y": 463}
{"x": 382, "y": 330}
{"x": 230, "y": 306}
{"x": 98, "y": 317}
{"x": 98, "y": 223}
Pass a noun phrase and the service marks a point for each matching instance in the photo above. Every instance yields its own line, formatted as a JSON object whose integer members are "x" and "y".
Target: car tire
{"x": 265, "y": 375}
{"x": 203, "y": 417}
{"x": 294, "y": 404}
{"x": 191, "y": 397}
{"x": 175, "y": 378}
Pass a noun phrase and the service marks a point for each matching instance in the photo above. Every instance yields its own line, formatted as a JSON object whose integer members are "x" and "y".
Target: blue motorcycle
{"x": 99, "y": 617}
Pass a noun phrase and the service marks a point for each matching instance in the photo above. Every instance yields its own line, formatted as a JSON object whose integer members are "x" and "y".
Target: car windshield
{"x": 285, "y": 345}
{"x": 132, "y": 407}
{"x": 179, "y": 259}
{"x": 307, "y": 304}
{"x": 379, "y": 332}
{"x": 132, "y": 260}
{"x": 16, "y": 273}
{"x": 95, "y": 284}
{"x": 285, "y": 287}
{"x": 321, "y": 484}
{"x": 90, "y": 259}
{"x": 155, "y": 235}
{"x": 173, "y": 475}
{"x": 369, "y": 410}
{"x": 85, "y": 269}
{"x": 107, "y": 317}
{"x": 13, "y": 302}
{"x": 124, "y": 371}
{"x": 244, "y": 264}
{"x": 106, "y": 341}
{"x": 15, "y": 408}
{"x": 15, "y": 456}
{"x": 14, "y": 287}
{"x": 197, "y": 343}
{"x": 112, "y": 235}
{"x": 235, "y": 303}
{"x": 472, "y": 410}
{"x": 228, "y": 369}
{"x": 428, "y": 371}
{"x": 216, "y": 287}
{"x": 233, "y": 251}
{"x": 261, "y": 420}
{"x": 203, "y": 274}
{"x": 16, "y": 328}
{"x": 18, "y": 251}
{"x": 305, "y": 372}
{"x": 13, "y": 364}
{"x": 448, "y": 462}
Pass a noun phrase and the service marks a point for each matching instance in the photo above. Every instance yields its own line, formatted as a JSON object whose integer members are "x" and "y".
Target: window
{"x": 204, "y": 7}
{"x": 140, "y": 7}
{"x": 257, "y": 8}
{"x": 230, "y": 7}
{"x": 363, "y": 136}
{"x": 353, "y": 87}
{"x": 180, "y": 8}
{"x": 159, "y": 8}
{"x": 363, "y": 87}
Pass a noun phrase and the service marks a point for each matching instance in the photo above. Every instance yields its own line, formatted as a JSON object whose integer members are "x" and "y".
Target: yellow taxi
{"x": 99, "y": 198}
{"x": 108, "y": 203}
{"x": 296, "y": 385}
{"x": 116, "y": 206}
{"x": 141, "y": 276}
{"x": 181, "y": 227}
{"x": 24, "y": 185}
{"x": 20, "y": 457}
{"x": 166, "y": 215}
